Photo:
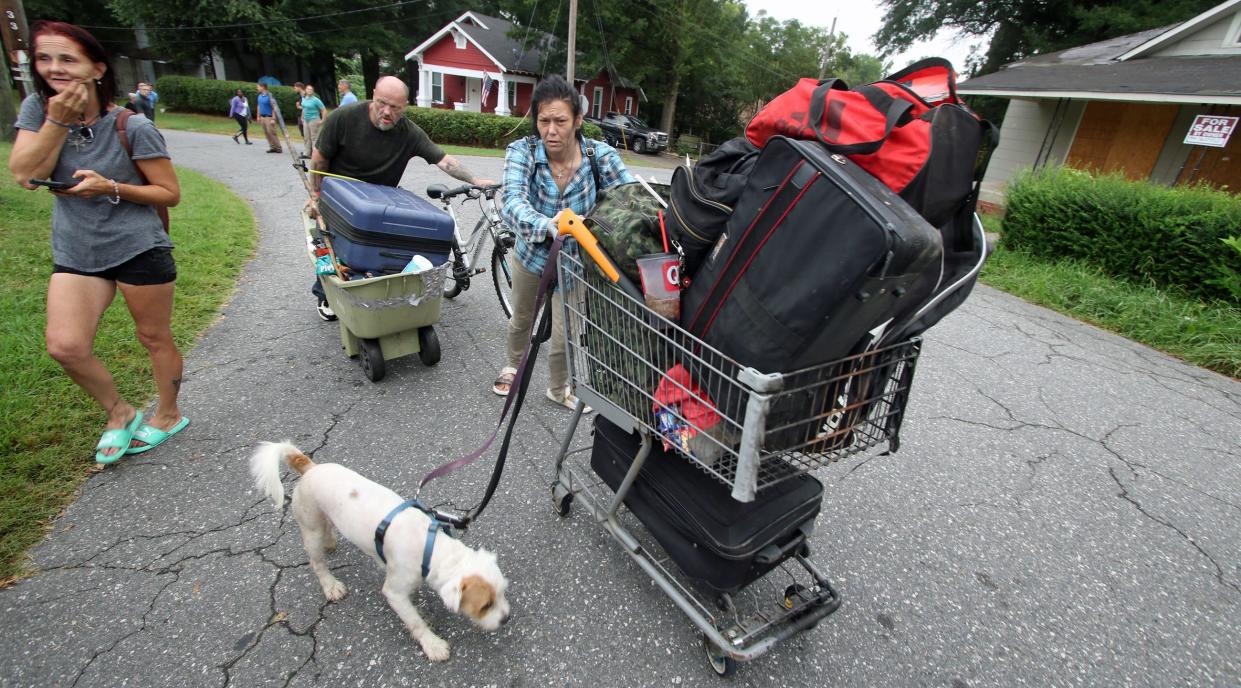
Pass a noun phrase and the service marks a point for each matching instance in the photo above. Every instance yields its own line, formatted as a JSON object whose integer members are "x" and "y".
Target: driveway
{"x": 1065, "y": 509}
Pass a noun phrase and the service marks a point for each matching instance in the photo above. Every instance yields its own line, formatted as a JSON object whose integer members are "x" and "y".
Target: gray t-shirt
{"x": 91, "y": 234}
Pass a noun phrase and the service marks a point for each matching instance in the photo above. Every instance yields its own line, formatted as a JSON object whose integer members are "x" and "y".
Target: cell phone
{"x": 53, "y": 184}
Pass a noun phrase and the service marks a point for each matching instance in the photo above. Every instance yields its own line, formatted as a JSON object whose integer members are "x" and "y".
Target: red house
{"x": 474, "y": 54}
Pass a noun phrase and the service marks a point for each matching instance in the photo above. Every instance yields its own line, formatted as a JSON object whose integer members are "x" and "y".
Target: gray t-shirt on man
{"x": 91, "y": 234}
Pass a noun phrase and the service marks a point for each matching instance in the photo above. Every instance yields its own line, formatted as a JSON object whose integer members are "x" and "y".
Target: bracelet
{"x": 116, "y": 188}
{"x": 56, "y": 122}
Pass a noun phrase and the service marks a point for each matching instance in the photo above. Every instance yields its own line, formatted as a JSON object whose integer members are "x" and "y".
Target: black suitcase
{"x": 816, "y": 255}
{"x": 714, "y": 539}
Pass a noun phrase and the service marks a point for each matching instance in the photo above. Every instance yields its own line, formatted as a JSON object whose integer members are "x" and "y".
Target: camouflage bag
{"x": 626, "y": 223}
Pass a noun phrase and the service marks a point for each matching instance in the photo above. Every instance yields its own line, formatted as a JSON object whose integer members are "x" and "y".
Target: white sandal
{"x": 567, "y": 399}
{"x": 506, "y": 376}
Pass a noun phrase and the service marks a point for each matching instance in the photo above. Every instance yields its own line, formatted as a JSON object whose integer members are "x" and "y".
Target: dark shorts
{"x": 155, "y": 266}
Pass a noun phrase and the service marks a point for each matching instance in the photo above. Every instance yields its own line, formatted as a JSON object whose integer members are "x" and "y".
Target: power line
{"x": 267, "y": 22}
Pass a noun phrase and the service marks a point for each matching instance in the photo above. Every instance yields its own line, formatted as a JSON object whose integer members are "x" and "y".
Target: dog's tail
{"x": 265, "y": 467}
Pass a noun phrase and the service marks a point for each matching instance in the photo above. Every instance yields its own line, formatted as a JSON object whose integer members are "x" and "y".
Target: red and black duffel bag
{"x": 909, "y": 130}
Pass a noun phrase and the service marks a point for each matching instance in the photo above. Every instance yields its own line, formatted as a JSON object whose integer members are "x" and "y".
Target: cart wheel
{"x": 372, "y": 360}
{"x": 791, "y": 595}
{"x": 724, "y": 602}
{"x": 562, "y": 499}
{"x": 429, "y": 346}
{"x": 719, "y": 660}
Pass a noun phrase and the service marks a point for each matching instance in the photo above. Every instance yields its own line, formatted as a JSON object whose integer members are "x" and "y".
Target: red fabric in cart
{"x": 677, "y": 388}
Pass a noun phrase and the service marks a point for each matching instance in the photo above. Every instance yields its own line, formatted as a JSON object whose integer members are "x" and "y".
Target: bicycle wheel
{"x": 502, "y": 275}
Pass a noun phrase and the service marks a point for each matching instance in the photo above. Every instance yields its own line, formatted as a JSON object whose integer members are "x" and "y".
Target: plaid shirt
{"x": 531, "y": 197}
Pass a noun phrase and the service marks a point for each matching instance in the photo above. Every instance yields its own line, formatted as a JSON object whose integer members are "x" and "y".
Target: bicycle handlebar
{"x": 473, "y": 190}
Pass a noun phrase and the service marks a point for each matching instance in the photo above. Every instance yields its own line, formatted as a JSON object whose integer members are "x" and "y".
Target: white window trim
{"x": 459, "y": 39}
{"x": 628, "y": 105}
{"x": 596, "y": 102}
{"x": 1233, "y": 38}
{"x": 437, "y": 76}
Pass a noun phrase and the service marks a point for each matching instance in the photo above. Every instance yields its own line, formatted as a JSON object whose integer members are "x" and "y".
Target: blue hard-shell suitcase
{"x": 378, "y": 229}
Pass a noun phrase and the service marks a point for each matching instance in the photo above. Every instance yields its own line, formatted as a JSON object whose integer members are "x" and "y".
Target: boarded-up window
{"x": 1124, "y": 137}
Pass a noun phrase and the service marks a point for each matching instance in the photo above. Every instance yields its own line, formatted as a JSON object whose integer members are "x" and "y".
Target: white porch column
{"x": 502, "y": 108}
{"x": 424, "y": 87}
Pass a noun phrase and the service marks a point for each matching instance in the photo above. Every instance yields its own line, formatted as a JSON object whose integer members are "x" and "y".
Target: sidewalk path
{"x": 1065, "y": 510}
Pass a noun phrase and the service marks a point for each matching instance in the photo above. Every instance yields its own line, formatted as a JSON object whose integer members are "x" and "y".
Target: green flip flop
{"x": 154, "y": 437}
{"x": 117, "y": 438}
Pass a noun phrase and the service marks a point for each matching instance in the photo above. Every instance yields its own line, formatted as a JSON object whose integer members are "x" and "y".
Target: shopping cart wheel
{"x": 428, "y": 346}
{"x": 791, "y": 595}
{"x": 372, "y": 360}
{"x": 719, "y": 660}
{"x": 562, "y": 499}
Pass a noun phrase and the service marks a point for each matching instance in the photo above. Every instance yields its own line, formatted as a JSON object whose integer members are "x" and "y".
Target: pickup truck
{"x": 626, "y": 131}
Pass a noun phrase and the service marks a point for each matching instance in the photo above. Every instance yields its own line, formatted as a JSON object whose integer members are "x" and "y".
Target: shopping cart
{"x": 621, "y": 352}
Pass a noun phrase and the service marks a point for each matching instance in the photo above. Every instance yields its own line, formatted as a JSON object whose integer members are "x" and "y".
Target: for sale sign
{"x": 1211, "y": 130}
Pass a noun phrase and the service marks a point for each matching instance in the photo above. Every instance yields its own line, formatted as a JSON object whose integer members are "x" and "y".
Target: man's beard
{"x": 385, "y": 126}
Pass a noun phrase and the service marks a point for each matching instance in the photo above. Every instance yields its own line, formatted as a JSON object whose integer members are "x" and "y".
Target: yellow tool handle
{"x": 571, "y": 223}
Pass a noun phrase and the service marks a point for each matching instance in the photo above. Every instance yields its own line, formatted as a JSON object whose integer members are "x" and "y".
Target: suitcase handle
{"x": 774, "y": 554}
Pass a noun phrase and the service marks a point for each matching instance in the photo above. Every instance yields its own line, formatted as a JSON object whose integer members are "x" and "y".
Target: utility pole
{"x": 7, "y": 106}
{"x": 568, "y": 70}
{"x": 16, "y": 40}
{"x": 827, "y": 50}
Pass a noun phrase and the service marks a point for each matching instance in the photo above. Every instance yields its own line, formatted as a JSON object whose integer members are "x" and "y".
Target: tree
{"x": 1021, "y": 28}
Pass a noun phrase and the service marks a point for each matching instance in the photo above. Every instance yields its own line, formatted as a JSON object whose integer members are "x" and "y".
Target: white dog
{"x": 469, "y": 581}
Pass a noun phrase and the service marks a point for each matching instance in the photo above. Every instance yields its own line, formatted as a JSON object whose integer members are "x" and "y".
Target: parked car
{"x": 627, "y": 131}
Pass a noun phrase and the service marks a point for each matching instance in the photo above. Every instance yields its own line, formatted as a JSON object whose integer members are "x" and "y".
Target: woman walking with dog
{"x": 543, "y": 175}
{"x": 106, "y": 233}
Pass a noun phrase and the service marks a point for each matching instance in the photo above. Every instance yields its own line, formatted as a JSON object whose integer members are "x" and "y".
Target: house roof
{"x": 1118, "y": 69}
{"x": 491, "y": 35}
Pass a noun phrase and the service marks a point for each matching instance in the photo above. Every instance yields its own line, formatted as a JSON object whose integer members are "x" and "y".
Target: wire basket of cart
{"x": 680, "y": 422}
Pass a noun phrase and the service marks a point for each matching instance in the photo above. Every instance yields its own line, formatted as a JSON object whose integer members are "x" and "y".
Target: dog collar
{"x": 432, "y": 530}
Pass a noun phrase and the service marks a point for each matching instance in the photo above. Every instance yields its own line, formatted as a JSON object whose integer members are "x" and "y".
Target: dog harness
{"x": 433, "y": 530}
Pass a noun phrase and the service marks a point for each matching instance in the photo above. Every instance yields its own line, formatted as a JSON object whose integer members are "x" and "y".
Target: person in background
{"x": 239, "y": 110}
{"x": 140, "y": 104}
{"x": 346, "y": 94}
{"x": 313, "y": 111}
{"x": 300, "y": 89}
{"x": 538, "y": 184}
{"x": 267, "y": 117}
{"x": 106, "y": 234}
{"x": 373, "y": 140}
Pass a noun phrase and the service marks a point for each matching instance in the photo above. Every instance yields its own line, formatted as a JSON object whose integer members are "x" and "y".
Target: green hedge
{"x": 454, "y": 127}
{"x": 1181, "y": 237}
{"x": 444, "y": 126}
{"x": 191, "y": 94}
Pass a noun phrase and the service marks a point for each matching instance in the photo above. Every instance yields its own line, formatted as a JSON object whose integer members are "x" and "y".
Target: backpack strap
{"x": 533, "y": 142}
{"x": 122, "y": 121}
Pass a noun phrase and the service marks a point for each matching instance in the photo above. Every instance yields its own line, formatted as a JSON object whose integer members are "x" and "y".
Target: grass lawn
{"x": 1206, "y": 334}
{"x": 46, "y": 446}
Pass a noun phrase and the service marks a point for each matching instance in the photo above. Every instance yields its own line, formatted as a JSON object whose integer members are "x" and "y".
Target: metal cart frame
{"x": 621, "y": 358}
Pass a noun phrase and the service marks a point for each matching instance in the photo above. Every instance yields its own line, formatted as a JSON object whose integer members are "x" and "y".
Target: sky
{"x": 860, "y": 19}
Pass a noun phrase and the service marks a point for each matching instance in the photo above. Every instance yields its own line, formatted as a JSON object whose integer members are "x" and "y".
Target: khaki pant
{"x": 525, "y": 288}
{"x": 312, "y": 134}
{"x": 269, "y": 130}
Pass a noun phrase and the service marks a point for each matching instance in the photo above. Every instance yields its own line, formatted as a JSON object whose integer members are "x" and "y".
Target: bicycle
{"x": 466, "y": 251}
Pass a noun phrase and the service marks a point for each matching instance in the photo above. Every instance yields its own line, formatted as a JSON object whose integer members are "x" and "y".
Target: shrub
{"x": 191, "y": 94}
{"x": 687, "y": 144}
{"x": 1173, "y": 237}
{"x": 476, "y": 128}
{"x": 443, "y": 126}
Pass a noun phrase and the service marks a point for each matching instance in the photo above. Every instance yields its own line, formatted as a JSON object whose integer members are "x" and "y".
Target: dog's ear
{"x": 450, "y": 593}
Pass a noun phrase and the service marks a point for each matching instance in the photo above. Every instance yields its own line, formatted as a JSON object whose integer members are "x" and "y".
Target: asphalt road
{"x": 1064, "y": 510}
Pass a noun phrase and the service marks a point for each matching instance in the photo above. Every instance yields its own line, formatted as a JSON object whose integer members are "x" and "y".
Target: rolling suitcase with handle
{"x": 714, "y": 539}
